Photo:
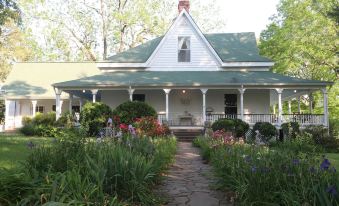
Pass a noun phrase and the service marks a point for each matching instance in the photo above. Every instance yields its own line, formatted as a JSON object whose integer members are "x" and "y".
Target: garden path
{"x": 189, "y": 181}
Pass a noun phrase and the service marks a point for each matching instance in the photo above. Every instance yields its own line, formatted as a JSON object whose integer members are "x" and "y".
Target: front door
{"x": 230, "y": 104}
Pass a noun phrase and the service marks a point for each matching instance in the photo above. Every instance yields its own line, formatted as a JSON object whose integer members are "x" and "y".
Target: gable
{"x": 166, "y": 55}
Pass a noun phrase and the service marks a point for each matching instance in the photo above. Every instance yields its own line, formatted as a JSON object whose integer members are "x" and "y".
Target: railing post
{"x": 167, "y": 91}
{"x": 242, "y": 91}
{"x": 279, "y": 91}
{"x": 325, "y": 121}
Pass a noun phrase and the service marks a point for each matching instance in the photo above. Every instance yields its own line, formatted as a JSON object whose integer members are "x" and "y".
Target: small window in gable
{"x": 184, "y": 49}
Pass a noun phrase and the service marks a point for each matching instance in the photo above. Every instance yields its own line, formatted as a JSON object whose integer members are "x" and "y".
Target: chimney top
{"x": 184, "y": 4}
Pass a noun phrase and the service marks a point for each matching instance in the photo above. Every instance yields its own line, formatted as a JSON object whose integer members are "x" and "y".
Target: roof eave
{"x": 247, "y": 64}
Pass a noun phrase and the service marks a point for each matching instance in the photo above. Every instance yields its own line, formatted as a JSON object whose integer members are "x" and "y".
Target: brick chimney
{"x": 184, "y": 4}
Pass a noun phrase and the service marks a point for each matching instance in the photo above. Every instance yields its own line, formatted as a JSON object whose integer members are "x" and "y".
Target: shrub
{"x": 224, "y": 124}
{"x": 94, "y": 116}
{"x": 66, "y": 120}
{"x": 290, "y": 129}
{"x": 129, "y": 111}
{"x": 241, "y": 128}
{"x": 44, "y": 119}
{"x": 266, "y": 129}
{"x": 28, "y": 130}
{"x": 321, "y": 137}
{"x": 26, "y": 120}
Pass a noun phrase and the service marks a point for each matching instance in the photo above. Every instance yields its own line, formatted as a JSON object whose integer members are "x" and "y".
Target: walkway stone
{"x": 189, "y": 181}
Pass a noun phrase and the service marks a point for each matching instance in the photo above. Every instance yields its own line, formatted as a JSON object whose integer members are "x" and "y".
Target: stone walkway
{"x": 188, "y": 181}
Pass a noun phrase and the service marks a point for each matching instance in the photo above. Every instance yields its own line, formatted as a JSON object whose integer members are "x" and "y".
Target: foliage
{"x": 149, "y": 126}
{"x": 224, "y": 124}
{"x": 95, "y": 30}
{"x": 128, "y": 112}
{"x": 290, "y": 129}
{"x": 302, "y": 41}
{"x": 2, "y": 111}
{"x": 94, "y": 116}
{"x": 321, "y": 137}
{"x": 83, "y": 172}
{"x": 8, "y": 10}
{"x": 66, "y": 120}
{"x": 266, "y": 129}
{"x": 258, "y": 174}
{"x": 43, "y": 125}
{"x": 233, "y": 125}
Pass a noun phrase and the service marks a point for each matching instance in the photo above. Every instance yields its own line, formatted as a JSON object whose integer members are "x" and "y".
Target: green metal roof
{"x": 186, "y": 78}
{"x": 231, "y": 47}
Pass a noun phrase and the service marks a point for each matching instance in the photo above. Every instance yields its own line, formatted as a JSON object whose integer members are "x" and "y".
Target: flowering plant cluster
{"x": 149, "y": 126}
{"x": 225, "y": 137}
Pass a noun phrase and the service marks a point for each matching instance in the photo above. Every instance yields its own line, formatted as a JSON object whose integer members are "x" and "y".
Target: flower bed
{"x": 81, "y": 171}
{"x": 277, "y": 175}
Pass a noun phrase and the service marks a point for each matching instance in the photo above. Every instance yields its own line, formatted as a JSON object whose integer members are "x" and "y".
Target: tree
{"x": 8, "y": 10}
{"x": 93, "y": 30}
{"x": 302, "y": 40}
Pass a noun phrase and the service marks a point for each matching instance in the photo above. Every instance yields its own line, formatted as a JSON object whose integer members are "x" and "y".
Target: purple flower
{"x": 296, "y": 161}
{"x": 325, "y": 164}
{"x": 30, "y": 145}
{"x": 332, "y": 190}
{"x": 254, "y": 169}
{"x": 131, "y": 129}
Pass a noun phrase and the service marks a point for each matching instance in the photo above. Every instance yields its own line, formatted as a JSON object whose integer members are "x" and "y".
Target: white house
{"x": 187, "y": 76}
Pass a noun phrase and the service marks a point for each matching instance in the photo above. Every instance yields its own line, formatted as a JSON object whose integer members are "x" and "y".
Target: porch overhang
{"x": 189, "y": 79}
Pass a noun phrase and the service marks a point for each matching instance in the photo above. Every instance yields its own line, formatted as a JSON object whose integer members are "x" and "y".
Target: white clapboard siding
{"x": 166, "y": 57}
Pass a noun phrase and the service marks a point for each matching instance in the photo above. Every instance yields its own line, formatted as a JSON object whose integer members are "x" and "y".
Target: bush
{"x": 321, "y": 137}
{"x": 150, "y": 127}
{"x": 94, "y": 116}
{"x": 129, "y": 111}
{"x": 224, "y": 124}
{"x": 44, "y": 119}
{"x": 66, "y": 120}
{"x": 231, "y": 125}
{"x": 266, "y": 129}
{"x": 290, "y": 129}
{"x": 26, "y": 120}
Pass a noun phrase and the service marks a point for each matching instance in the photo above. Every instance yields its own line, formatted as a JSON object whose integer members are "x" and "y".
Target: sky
{"x": 247, "y": 15}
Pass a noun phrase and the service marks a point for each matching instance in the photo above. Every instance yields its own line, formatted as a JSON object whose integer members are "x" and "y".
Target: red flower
{"x": 123, "y": 127}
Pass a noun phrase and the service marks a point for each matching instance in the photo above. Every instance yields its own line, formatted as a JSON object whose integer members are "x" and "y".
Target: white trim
{"x": 119, "y": 65}
{"x": 247, "y": 64}
{"x": 196, "y": 28}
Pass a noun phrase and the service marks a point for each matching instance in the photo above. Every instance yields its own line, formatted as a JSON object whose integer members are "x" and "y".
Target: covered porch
{"x": 190, "y": 102}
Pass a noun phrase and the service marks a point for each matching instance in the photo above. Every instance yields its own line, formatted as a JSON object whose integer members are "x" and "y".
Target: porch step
{"x": 186, "y": 135}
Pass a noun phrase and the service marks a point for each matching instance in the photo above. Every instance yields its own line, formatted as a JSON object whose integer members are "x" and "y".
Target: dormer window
{"x": 184, "y": 49}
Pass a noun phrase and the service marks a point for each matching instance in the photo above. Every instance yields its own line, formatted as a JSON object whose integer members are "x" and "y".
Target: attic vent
{"x": 184, "y": 49}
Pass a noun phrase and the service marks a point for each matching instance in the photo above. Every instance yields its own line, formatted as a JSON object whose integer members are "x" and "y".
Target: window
{"x": 76, "y": 109}
{"x": 39, "y": 109}
{"x": 139, "y": 97}
{"x": 184, "y": 49}
{"x": 231, "y": 104}
{"x": 53, "y": 108}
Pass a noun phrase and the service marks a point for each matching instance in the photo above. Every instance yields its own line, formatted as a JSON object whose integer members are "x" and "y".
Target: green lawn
{"x": 14, "y": 149}
{"x": 334, "y": 159}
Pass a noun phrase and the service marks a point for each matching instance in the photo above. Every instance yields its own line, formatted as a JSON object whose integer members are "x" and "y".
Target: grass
{"x": 334, "y": 159}
{"x": 14, "y": 149}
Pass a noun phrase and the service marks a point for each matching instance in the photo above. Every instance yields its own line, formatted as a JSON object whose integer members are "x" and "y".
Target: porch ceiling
{"x": 188, "y": 79}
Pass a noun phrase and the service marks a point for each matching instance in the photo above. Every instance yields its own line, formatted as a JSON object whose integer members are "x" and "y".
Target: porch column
{"x": 94, "y": 93}
{"x": 57, "y": 103}
{"x": 80, "y": 104}
{"x": 242, "y": 91}
{"x": 167, "y": 91}
{"x": 299, "y": 108}
{"x": 289, "y": 107}
{"x": 130, "y": 92}
{"x": 204, "y": 91}
{"x": 279, "y": 91}
{"x": 34, "y": 103}
{"x": 324, "y": 90}
{"x": 7, "y": 105}
{"x": 70, "y": 99}
{"x": 311, "y": 102}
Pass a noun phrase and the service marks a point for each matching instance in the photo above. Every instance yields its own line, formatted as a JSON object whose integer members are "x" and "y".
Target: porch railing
{"x": 304, "y": 119}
